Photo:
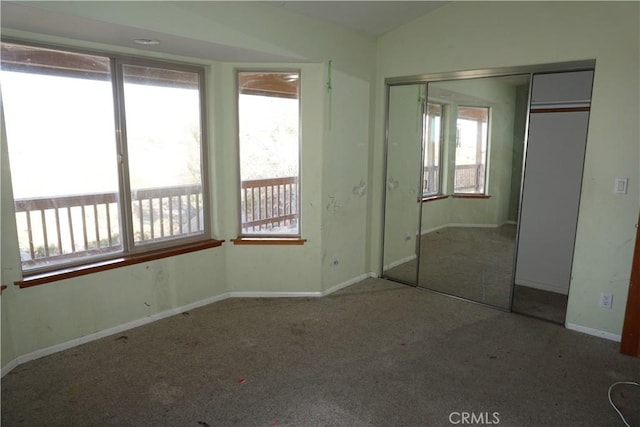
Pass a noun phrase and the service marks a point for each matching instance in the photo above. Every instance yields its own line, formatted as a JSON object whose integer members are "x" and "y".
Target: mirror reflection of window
{"x": 433, "y": 142}
{"x": 471, "y": 150}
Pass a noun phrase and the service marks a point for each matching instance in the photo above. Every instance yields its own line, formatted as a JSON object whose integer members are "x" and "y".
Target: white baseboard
{"x": 541, "y": 286}
{"x": 301, "y": 294}
{"x": 171, "y": 312}
{"x": 594, "y": 332}
{"x": 350, "y": 282}
{"x": 277, "y": 294}
{"x": 9, "y": 367}
{"x": 400, "y": 262}
{"x": 456, "y": 224}
{"x": 431, "y": 230}
{"x": 107, "y": 332}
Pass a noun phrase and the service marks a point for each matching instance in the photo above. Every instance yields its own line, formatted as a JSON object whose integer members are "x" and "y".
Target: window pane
{"x": 268, "y": 115}
{"x": 162, "y": 111}
{"x": 433, "y": 129}
{"x": 471, "y": 150}
{"x": 59, "y": 117}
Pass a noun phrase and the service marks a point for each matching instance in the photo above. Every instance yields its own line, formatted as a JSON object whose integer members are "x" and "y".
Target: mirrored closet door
{"x": 474, "y": 145}
{"x": 402, "y": 183}
{"x": 456, "y": 189}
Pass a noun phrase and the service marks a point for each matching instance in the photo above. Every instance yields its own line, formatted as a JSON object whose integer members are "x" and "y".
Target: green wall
{"x": 500, "y": 34}
{"x": 9, "y": 252}
{"x": 335, "y": 161}
{"x": 519, "y": 131}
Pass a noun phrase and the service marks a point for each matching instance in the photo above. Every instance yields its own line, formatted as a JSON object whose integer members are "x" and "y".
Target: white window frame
{"x": 440, "y": 144}
{"x": 267, "y": 236}
{"x": 485, "y": 172}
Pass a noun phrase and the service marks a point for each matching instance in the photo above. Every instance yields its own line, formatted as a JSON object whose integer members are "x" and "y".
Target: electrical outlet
{"x": 407, "y": 237}
{"x": 621, "y": 186}
{"x": 335, "y": 262}
{"x": 606, "y": 300}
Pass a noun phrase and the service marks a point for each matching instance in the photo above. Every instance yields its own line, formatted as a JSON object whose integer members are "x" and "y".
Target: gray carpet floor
{"x": 477, "y": 264}
{"x": 470, "y": 262}
{"x": 376, "y": 353}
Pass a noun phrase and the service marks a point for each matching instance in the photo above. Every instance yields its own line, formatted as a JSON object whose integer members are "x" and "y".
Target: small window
{"x": 432, "y": 151}
{"x": 268, "y": 125}
{"x": 471, "y": 150}
{"x": 95, "y": 175}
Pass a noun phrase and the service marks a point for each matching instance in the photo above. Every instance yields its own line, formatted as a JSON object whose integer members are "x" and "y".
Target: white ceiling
{"x": 371, "y": 17}
{"x": 24, "y": 16}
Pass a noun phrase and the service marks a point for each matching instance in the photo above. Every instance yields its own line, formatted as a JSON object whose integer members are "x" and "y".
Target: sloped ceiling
{"x": 23, "y": 16}
{"x": 371, "y": 17}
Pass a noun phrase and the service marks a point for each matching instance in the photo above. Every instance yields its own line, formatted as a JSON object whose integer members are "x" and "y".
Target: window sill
{"x": 471, "y": 196}
{"x": 268, "y": 241}
{"x": 67, "y": 273}
{"x": 434, "y": 198}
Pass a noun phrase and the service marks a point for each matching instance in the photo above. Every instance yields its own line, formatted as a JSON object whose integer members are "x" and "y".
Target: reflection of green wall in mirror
{"x": 403, "y": 163}
{"x": 506, "y": 138}
{"x": 519, "y": 130}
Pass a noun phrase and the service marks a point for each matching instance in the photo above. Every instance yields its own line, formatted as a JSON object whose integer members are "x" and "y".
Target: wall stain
{"x": 332, "y": 206}
{"x": 361, "y": 189}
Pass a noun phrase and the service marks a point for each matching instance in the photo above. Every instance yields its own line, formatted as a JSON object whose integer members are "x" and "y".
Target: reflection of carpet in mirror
{"x": 475, "y": 263}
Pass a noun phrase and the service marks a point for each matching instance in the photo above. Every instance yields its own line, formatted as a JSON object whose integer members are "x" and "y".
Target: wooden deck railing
{"x": 52, "y": 229}
{"x": 167, "y": 212}
{"x": 431, "y": 183}
{"x": 59, "y": 226}
{"x": 468, "y": 178}
{"x": 269, "y": 204}
{"x": 55, "y": 228}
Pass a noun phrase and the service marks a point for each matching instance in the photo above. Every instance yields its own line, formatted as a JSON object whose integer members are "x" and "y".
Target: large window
{"x": 432, "y": 151}
{"x": 164, "y": 152}
{"x": 106, "y": 155}
{"x": 268, "y": 125}
{"x": 471, "y": 150}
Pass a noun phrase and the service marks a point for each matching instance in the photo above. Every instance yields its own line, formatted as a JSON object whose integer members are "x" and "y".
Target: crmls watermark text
{"x": 478, "y": 418}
